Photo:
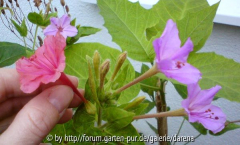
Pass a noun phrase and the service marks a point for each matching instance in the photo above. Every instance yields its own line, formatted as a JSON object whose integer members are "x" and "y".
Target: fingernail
{"x": 60, "y": 97}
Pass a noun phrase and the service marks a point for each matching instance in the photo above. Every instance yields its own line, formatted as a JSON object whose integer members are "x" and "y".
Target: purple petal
{"x": 69, "y": 31}
{"x": 186, "y": 74}
{"x": 204, "y": 98}
{"x": 216, "y": 123}
{"x": 50, "y": 30}
{"x": 157, "y": 44}
{"x": 54, "y": 21}
{"x": 65, "y": 21}
{"x": 169, "y": 42}
{"x": 182, "y": 53}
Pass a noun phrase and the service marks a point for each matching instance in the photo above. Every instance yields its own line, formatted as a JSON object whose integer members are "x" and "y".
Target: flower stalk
{"x": 179, "y": 112}
{"x": 147, "y": 74}
{"x": 67, "y": 82}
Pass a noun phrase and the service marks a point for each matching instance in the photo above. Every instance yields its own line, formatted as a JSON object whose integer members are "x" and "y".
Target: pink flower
{"x": 199, "y": 108}
{"x": 61, "y": 25}
{"x": 44, "y": 66}
{"x": 171, "y": 58}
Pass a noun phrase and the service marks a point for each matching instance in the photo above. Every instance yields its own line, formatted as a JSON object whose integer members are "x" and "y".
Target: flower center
{"x": 211, "y": 115}
{"x": 179, "y": 64}
{"x": 60, "y": 29}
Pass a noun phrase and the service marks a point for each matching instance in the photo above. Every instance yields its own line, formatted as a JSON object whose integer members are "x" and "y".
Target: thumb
{"x": 38, "y": 117}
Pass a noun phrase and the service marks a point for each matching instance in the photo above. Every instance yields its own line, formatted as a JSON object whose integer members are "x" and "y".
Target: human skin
{"x": 28, "y": 118}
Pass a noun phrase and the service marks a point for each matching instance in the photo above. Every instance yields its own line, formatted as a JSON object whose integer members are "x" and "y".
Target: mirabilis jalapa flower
{"x": 45, "y": 66}
{"x": 198, "y": 108}
{"x": 171, "y": 58}
{"x": 61, "y": 25}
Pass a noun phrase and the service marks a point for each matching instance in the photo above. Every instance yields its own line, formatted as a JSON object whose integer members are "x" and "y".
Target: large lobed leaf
{"x": 77, "y": 66}
{"x": 218, "y": 70}
{"x": 127, "y": 22}
{"x": 10, "y": 52}
{"x": 134, "y": 28}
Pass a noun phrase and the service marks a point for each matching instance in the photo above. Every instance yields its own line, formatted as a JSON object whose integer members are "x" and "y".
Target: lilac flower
{"x": 199, "y": 108}
{"x": 171, "y": 58}
{"x": 61, "y": 25}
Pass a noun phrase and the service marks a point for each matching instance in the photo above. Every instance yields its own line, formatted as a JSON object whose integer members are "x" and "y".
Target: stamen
{"x": 179, "y": 64}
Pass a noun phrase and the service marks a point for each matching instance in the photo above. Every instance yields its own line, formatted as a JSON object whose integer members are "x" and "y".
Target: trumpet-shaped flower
{"x": 44, "y": 66}
{"x": 61, "y": 25}
{"x": 199, "y": 108}
{"x": 171, "y": 58}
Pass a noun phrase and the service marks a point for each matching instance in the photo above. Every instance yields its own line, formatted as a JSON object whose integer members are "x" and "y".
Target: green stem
{"x": 25, "y": 42}
{"x": 179, "y": 112}
{"x": 180, "y": 129}
{"x": 99, "y": 116}
{"x": 147, "y": 74}
{"x": 35, "y": 37}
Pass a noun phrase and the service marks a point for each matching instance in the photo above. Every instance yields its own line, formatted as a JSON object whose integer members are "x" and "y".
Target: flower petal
{"x": 204, "y": 98}
{"x": 186, "y": 74}
{"x": 169, "y": 42}
{"x": 214, "y": 124}
{"x": 64, "y": 21}
{"x": 50, "y": 30}
{"x": 69, "y": 31}
{"x": 182, "y": 53}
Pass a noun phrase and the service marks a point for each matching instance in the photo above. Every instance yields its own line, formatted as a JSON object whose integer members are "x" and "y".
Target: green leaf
{"x": 199, "y": 127}
{"x": 10, "y": 52}
{"x": 62, "y": 130}
{"x": 194, "y": 19}
{"x": 21, "y": 29}
{"x": 128, "y": 132}
{"x": 76, "y": 61}
{"x": 82, "y": 32}
{"x": 154, "y": 129}
{"x": 46, "y": 22}
{"x": 175, "y": 10}
{"x": 151, "y": 105}
{"x": 197, "y": 26}
{"x": 117, "y": 120}
{"x": 229, "y": 127}
{"x": 82, "y": 121}
{"x": 218, "y": 70}
{"x": 127, "y": 22}
{"x": 36, "y": 18}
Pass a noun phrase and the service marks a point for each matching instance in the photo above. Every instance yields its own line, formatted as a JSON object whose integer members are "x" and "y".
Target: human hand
{"x": 28, "y": 118}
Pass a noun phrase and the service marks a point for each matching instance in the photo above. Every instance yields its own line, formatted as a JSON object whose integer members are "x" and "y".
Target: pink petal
{"x": 65, "y": 21}
{"x": 69, "y": 31}
{"x": 29, "y": 86}
{"x": 50, "y": 30}
{"x": 186, "y": 74}
{"x": 169, "y": 42}
{"x": 182, "y": 53}
{"x": 44, "y": 66}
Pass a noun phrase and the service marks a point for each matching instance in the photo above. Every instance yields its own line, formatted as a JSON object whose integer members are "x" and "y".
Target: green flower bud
{"x": 122, "y": 57}
{"x": 90, "y": 108}
{"x": 96, "y": 63}
{"x": 103, "y": 71}
{"x": 135, "y": 102}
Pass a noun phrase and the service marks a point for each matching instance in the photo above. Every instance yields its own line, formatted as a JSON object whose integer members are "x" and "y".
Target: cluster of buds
{"x": 102, "y": 88}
